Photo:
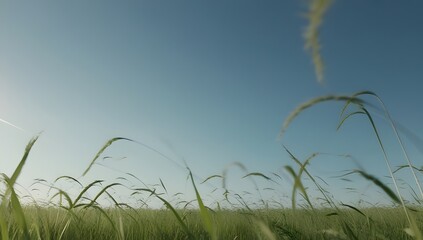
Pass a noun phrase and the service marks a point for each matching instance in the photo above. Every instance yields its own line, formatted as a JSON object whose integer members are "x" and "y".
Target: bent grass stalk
{"x": 14, "y": 201}
{"x": 362, "y": 110}
{"x": 245, "y": 170}
{"x": 303, "y": 167}
{"x": 413, "y": 225}
{"x": 388, "y": 164}
{"x": 205, "y": 215}
{"x": 394, "y": 128}
{"x": 312, "y": 103}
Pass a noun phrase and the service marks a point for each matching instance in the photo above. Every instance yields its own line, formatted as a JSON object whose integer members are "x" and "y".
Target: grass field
{"x": 54, "y": 223}
{"x": 81, "y": 216}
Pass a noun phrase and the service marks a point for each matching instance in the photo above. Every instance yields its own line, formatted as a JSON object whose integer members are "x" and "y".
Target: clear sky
{"x": 205, "y": 82}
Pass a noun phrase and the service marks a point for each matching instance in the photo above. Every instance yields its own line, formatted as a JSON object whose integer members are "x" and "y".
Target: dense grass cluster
{"x": 55, "y": 223}
{"x": 81, "y": 216}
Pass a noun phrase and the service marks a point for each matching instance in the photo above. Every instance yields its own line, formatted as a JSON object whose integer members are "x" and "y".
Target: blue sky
{"x": 208, "y": 83}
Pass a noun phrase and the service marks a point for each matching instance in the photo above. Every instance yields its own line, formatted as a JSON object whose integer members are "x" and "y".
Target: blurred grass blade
{"x": 121, "y": 229}
{"x": 14, "y": 201}
{"x": 3, "y": 224}
{"x": 264, "y": 228}
{"x": 19, "y": 214}
{"x": 213, "y": 176}
{"x": 161, "y": 182}
{"x": 70, "y": 178}
{"x": 332, "y": 214}
{"x": 348, "y": 231}
{"x": 414, "y": 229}
{"x": 382, "y": 186}
{"x": 406, "y": 166}
{"x": 64, "y": 229}
{"x": 205, "y": 215}
{"x": 317, "y": 9}
{"x": 225, "y": 171}
{"x": 354, "y": 208}
{"x": 304, "y": 169}
{"x": 394, "y": 128}
{"x": 388, "y": 164}
{"x": 259, "y": 175}
{"x": 108, "y": 143}
{"x": 297, "y": 185}
{"x": 18, "y": 169}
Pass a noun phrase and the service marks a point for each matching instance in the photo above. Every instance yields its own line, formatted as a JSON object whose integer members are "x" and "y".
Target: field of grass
{"x": 81, "y": 216}
{"x": 123, "y": 223}
{"x": 69, "y": 215}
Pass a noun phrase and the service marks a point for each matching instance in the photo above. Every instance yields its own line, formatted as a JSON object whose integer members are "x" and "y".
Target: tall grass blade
{"x": 64, "y": 229}
{"x": 61, "y": 193}
{"x": 108, "y": 143}
{"x": 382, "y": 186}
{"x": 303, "y": 168}
{"x": 399, "y": 197}
{"x": 18, "y": 213}
{"x": 394, "y": 128}
{"x": 104, "y": 190}
{"x": 18, "y": 169}
{"x": 83, "y": 191}
{"x": 297, "y": 185}
{"x": 10, "y": 191}
{"x": 204, "y": 212}
{"x": 264, "y": 228}
{"x": 311, "y": 103}
{"x": 121, "y": 229}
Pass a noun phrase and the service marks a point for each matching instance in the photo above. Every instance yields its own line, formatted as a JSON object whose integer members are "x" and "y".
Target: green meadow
{"x": 122, "y": 223}
{"x": 96, "y": 211}
{"x": 80, "y": 215}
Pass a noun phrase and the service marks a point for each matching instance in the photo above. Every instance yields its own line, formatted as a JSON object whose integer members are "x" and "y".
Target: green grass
{"x": 310, "y": 215}
{"x": 48, "y": 223}
{"x": 81, "y": 216}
